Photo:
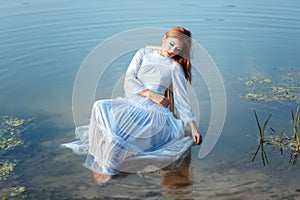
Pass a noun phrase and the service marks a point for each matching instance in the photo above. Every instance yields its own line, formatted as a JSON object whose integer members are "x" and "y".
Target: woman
{"x": 139, "y": 132}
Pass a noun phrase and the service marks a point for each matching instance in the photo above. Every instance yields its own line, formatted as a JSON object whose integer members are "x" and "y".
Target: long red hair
{"x": 184, "y": 57}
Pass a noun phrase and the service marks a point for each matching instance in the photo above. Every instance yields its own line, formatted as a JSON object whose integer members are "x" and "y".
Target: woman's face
{"x": 171, "y": 46}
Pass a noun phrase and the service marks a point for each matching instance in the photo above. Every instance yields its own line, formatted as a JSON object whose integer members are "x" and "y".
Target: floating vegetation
{"x": 282, "y": 141}
{"x": 6, "y": 169}
{"x": 11, "y": 129}
{"x": 16, "y": 191}
{"x": 10, "y": 143}
{"x": 278, "y": 140}
{"x": 266, "y": 89}
{"x": 14, "y": 122}
{"x": 11, "y": 137}
{"x": 13, "y": 193}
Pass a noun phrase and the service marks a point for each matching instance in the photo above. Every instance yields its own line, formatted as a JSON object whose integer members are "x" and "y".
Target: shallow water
{"x": 42, "y": 45}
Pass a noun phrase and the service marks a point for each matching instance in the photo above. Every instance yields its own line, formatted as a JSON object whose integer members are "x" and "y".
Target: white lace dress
{"x": 132, "y": 133}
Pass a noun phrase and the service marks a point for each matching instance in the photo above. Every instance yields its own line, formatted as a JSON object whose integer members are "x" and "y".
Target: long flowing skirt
{"x": 130, "y": 135}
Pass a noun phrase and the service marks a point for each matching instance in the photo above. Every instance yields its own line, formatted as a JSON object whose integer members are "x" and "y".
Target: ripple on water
{"x": 43, "y": 43}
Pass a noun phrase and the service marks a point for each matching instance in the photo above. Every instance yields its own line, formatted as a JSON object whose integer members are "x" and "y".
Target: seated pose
{"x": 139, "y": 132}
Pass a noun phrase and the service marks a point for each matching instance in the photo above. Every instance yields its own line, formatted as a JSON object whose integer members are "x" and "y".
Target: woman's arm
{"x": 182, "y": 103}
{"x": 181, "y": 97}
{"x": 197, "y": 137}
{"x": 155, "y": 97}
{"x": 131, "y": 83}
{"x": 162, "y": 100}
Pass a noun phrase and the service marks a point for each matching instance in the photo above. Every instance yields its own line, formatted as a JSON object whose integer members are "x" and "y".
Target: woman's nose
{"x": 172, "y": 49}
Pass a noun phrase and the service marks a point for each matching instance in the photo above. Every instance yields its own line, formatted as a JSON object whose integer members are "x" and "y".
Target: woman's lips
{"x": 169, "y": 53}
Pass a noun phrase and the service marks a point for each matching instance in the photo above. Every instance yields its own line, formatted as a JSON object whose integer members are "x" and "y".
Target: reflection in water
{"x": 178, "y": 180}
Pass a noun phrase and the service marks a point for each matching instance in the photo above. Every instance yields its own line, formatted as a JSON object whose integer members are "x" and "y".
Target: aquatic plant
{"x": 278, "y": 140}
{"x": 261, "y": 140}
{"x": 11, "y": 137}
{"x": 281, "y": 145}
{"x": 16, "y": 191}
{"x": 10, "y": 143}
{"x": 295, "y": 143}
{"x": 295, "y": 121}
{"x": 287, "y": 88}
{"x": 13, "y": 193}
{"x": 6, "y": 169}
{"x": 11, "y": 129}
{"x": 282, "y": 140}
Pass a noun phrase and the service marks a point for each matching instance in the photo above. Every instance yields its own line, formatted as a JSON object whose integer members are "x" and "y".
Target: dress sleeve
{"x": 181, "y": 98}
{"x": 132, "y": 84}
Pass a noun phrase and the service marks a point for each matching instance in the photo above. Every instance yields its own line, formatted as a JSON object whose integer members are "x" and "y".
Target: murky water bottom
{"x": 195, "y": 181}
{"x": 49, "y": 172}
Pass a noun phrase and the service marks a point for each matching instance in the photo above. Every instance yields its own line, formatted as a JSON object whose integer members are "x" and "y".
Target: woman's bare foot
{"x": 101, "y": 179}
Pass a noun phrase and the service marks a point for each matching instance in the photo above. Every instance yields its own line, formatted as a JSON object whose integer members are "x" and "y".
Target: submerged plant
{"x": 261, "y": 139}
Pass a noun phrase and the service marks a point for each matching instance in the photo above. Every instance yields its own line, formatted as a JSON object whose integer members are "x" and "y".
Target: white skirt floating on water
{"x": 130, "y": 135}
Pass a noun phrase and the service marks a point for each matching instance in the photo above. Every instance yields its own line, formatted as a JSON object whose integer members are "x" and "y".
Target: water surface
{"x": 43, "y": 43}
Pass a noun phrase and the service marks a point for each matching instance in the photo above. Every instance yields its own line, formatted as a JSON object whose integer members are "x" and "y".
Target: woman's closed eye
{"x": 177, "y": 50}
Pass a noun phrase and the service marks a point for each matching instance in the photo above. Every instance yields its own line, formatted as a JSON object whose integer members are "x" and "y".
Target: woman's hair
{"x": 184, "y": 57}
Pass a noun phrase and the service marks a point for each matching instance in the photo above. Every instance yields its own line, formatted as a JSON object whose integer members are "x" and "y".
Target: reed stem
{"x": 261, "y": 139}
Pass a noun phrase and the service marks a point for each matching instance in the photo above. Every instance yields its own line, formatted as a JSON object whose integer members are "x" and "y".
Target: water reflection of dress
{"x": 133, "y": 133}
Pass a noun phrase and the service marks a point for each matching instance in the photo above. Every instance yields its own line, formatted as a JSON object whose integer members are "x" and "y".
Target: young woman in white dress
{"x": 139, "y": 132}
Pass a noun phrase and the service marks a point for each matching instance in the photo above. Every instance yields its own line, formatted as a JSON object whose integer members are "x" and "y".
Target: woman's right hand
{"x": 155, "y": 97}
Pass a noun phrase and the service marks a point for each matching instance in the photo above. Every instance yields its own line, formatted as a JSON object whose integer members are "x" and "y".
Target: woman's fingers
{"x": 161, "y": 100}
{"x": 197, "y": 138}
{"x": 165, "y": 102}
{"x": 157, "y": 98}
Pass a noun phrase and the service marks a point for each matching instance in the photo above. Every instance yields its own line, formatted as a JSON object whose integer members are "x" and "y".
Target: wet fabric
{"x": 132, "y": 133}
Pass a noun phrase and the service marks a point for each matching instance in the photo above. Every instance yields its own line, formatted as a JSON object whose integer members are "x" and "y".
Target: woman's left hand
{"x": 197, "y": 137}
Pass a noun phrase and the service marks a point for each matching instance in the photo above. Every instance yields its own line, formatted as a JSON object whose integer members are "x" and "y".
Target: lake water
{"x": 43, "y": 43}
